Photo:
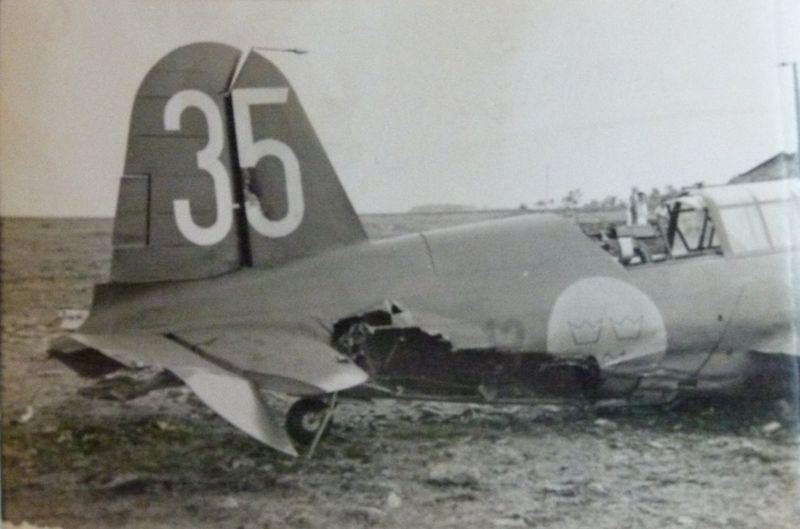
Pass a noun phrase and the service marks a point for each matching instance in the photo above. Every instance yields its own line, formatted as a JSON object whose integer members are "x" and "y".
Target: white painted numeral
{"x": 251, "y": 151}
{"x": 208, "y": 160}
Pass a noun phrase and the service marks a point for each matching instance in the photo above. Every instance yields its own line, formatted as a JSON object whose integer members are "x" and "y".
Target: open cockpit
{"x": 729, "y": 220}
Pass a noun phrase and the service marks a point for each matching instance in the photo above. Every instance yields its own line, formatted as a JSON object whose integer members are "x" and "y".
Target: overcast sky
{"x": 488, "y": 103}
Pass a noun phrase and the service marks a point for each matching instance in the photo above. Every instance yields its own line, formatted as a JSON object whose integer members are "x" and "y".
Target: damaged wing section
{"x": 225, "y": 367}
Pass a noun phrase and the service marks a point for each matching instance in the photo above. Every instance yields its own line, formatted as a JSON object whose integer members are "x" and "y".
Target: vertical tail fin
{"x": 223, "y": 173}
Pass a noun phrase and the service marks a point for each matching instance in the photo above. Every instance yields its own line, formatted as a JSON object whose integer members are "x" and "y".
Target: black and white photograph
{"x": 328, "y": 264}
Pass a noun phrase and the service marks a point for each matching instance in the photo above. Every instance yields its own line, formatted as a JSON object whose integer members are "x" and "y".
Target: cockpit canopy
{"x": 735, "y": 219}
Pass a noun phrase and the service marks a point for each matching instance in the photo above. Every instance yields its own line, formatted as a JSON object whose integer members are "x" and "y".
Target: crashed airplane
{"x": 240, "y": 266}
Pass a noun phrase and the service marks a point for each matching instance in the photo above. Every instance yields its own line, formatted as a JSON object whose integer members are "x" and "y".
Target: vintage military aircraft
{"x": 239, "y": 265}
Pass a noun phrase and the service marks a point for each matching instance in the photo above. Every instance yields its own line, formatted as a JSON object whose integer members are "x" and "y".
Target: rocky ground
{"x": 165, "y": 460}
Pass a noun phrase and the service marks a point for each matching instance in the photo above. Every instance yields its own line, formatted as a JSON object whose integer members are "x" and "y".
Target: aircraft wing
{"x": 226, "y": 366}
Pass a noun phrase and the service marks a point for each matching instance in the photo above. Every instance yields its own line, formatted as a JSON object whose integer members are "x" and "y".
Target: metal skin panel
{"x": 148, "y": 122}
{"x": 166, "y": 155}
{"x": 131, "y": 223}
{"x": 516, "y": 243}
{"x": 140, "y": 265}
{"x": 160, "y": 153}
{"x": 328, "y": 219}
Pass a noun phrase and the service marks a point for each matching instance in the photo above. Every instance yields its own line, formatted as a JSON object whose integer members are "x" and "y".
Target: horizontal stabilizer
{"x": 143, "y": 349}
{"x": 85, "y": 361}
{"x": 225, "y": 367}
{"x": 278, "y": 360}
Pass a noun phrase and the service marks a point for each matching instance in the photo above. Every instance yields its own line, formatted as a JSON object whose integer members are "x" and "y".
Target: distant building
{"x": 780, "y": 166}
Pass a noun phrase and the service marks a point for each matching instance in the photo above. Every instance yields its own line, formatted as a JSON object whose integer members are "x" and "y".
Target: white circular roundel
{"x": 607, "y": 318}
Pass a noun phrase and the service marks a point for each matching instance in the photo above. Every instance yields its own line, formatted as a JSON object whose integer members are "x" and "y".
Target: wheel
{"x": 305, "y": 418}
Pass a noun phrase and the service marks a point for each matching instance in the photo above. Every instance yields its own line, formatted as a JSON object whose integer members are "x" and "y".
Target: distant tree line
{"x": 572, "y": 200}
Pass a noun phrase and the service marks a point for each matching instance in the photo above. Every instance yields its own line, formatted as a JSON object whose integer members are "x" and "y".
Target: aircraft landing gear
{"x": 309, "y": 419}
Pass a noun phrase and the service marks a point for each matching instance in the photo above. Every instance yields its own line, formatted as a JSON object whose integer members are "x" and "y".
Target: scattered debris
{"x": 605, "y": 424}
{"x": 393, "y": 501}
{"x": 128, "y": 483}
{"x": 131, "y": 384}
{"x": 771, "y": 427}
{"x": 749, "y": 450}
{"x": 450, "y": 474}
{"x": 26, "y": 416}
{"x": 561, "y": 489}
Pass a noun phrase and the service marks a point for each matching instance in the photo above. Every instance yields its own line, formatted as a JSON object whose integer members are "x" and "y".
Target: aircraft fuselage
{"x": 529, "y": 284}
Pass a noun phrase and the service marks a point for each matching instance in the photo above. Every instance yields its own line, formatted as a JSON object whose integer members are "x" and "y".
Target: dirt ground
{"x": 165, "y": 460}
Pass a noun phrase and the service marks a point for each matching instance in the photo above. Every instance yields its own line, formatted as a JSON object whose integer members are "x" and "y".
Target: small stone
{"x": 393, "y": 501}
{"x": 771, "y": 427}
{"x": 605, "y": 424}
{"x": 685, "y": 521}
{"x": 230, "y": 503}
{"x": 128, "y": 483}
{"x": 242, "y": 462}
{"x": 561, "y": 489}
{"x": 165, "y": 426}
{"x": 598, "y": 488}
{"x": 26, "y": 416}
{"x": 550, "y": 408}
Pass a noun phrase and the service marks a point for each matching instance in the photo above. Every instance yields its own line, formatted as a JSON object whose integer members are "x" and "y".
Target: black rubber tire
{"x": 304, "y": 420}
